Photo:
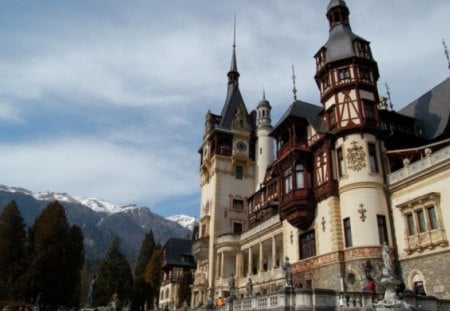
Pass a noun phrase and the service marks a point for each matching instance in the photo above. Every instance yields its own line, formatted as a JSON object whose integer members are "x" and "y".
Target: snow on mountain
{"x": 184, "y": 220}
{"x": 95, "y": 204}
{"x": 103, "y": 206}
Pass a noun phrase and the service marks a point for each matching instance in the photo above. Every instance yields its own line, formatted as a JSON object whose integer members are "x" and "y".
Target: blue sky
{"x": 107, "y": 99}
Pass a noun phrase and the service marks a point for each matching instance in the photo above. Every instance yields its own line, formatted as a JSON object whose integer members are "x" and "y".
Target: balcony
{"x": 291, "y": 146}
{"x": 200, "y": 249}
{"x": 298, "y": 207}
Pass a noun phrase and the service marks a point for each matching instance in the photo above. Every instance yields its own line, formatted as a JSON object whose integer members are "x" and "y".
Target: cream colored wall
{"x": 430, "y": 179}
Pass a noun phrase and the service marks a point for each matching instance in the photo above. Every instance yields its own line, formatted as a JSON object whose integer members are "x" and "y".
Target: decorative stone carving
{"x": 356, "y": 157}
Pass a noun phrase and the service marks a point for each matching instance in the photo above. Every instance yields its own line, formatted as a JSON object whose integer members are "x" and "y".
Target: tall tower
{"x": 227, "y": 178}
{"x": 347, "y": 74}
{"x": 264, "y": 142}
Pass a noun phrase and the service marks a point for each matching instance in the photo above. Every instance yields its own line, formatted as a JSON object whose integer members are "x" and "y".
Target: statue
{"x": 387, "y": 260}
{"x": 249, "y": 287}
{"x": 90, "y": 297}
{"x": 287, "y": 272}
{"x": 231, "y": 286}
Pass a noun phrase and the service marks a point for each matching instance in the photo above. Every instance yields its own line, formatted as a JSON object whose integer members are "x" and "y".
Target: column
{"x": 260, "y": 256}
{"x": 238, "y": 270}
{"x": 222, "y": 261}
{"x": 274, "y": 253}
{"x": 250, "y": 261}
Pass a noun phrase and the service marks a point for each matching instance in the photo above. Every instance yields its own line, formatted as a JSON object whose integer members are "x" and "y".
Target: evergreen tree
{"x": 74, "y": 264}
{"x": 57, "y": 256}
{"x": 152, "y": 274}
{"x": 141, "y": 289}
{"x": 12, "y": 251}
{"x": 145, "y": 253}
{"x": 184, "y": 293}
{"x": 114, "y": 277}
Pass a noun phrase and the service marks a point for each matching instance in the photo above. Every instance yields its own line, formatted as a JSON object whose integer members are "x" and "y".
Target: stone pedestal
{"x": 390, "y": 301}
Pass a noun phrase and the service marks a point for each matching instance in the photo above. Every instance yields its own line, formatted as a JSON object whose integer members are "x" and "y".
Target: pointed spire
{"x": 294, "y": 89}
{"x": 446, "y": 53}
{"x": 264, "y": 94}
{"x": 388, "y": 92}
{"x": 233, "y": 74}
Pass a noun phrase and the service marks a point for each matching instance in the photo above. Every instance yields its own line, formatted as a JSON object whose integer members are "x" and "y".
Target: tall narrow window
{"x": 373, "y": 158}
{"x": 288, "y": 180}
{"x": 307, "y": 244}
{"x": 331, "y": 117}
{"x": 341, "y": 162}
{"x": 382, "y": 229}
{"x": 432, "y": 217}
{"x": 368, "y": 110}
{"x": 299, "y": 177}
{"x": 410, "y": 221}
{"x": 421, "y": 220}
{"x": 348, "y": 233}
{"x": 238, "y": 172}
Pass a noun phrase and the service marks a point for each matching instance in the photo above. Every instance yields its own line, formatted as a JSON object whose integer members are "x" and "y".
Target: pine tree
{"x": 74, "y": 263}
{"x": 146, "y": 251}
{"x": 12, "y": 251}
{"x": 141, "y": 288}
{"x": 184, "y": 293}
{"x": 114, "y": 277}
{"x": 152, "y": 274}
{"x": 57, "y": 256}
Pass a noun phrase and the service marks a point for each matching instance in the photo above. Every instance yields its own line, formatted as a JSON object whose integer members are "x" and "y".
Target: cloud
{"x": 92, "y": 167}
{"x": 9, "y": 113}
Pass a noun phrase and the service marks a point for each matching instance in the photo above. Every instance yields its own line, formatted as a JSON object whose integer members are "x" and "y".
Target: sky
{"x": 107, "y": 99}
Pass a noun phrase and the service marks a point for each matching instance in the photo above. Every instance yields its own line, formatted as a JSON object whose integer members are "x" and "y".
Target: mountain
{"x": 185, "y": 221}
{"x": 100, "y": 221}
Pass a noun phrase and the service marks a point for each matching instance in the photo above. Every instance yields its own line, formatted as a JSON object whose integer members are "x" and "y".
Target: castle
{"x": 327, "y": 185}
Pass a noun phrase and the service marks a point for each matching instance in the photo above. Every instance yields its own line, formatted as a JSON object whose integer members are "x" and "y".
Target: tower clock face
{"x": 241, "y": 146}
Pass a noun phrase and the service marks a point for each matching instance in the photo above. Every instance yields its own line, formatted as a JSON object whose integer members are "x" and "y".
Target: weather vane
{"x": 294, "y": 90}
{"x": 388, "y": 91}
{"x": 446, "y": 53}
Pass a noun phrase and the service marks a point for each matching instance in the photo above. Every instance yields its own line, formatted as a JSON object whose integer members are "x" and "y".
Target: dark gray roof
{"x": 178, "y": 252}
{"x": 335, "y": 3}
{"x": 432, "y": 109}
{"x": 304, "y": 110}
{"x": 232, "y": 102}
{"x": 340, "y": 44}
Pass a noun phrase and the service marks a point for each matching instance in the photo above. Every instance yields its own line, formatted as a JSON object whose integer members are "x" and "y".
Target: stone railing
{"x": 306, "y": 299}
{"x": 419, "y": 166}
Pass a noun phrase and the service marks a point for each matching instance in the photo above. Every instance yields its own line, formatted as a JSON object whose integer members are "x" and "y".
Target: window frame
{"x": 307, "y": 242}
{"x": 347, "y": 232}
{"x": 239, "y": 172}
{"x": 373, "y": 157}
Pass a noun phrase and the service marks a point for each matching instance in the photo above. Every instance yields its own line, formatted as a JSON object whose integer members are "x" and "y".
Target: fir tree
{"x": 152, "y": 274}
{"x": 56, "y": 258}
{"x": 184, "y": 293}
{"x": 145, "y": 253}
{"x": 114, "y": 277}
{"x": 141, "y": 288}
{"x": 12, "y": 251}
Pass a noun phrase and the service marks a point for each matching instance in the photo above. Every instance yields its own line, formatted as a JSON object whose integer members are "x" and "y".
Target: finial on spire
{"x": 294, "y": 89}
{"x": 264, "y": 94}
{"x": 446, "y": 53}
{"x": 388, "y": 92}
